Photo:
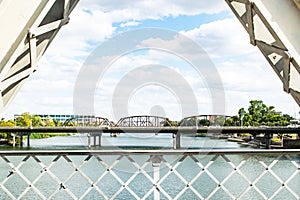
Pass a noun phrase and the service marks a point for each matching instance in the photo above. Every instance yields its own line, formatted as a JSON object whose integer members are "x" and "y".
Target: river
{"x": 129, "y": 141}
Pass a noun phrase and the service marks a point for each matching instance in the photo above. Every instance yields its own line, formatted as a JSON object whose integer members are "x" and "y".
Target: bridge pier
{"x": 20, "y": 135}
{"x": 21, "y": 140}
{"x": 100, "y": 139}
{"x": 176, "y": 140}
{"x": 89, "y": 140}
{"x": 28, "y": 139}
{"x": 268, "y": 137}
{"x": 94, "y": 139}
{"x": 14, "y": 139}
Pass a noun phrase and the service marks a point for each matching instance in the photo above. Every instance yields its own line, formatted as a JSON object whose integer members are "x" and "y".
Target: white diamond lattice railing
{"x": 150, "y": 174}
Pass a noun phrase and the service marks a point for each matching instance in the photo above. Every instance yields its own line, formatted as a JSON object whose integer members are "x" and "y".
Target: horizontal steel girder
{"x": 273, "y": 26}
{"x": 174, "y": 129}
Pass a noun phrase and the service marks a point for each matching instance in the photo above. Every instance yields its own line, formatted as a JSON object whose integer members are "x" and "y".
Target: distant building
{"x": 61, "y": 118}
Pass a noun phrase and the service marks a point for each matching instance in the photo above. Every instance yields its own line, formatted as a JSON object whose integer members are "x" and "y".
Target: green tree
{"x": 49, "y": 121}
{"x": 220, "y": 120}
{"x": 188, "y": 122}
{"x": 36, "y": 121}
{"x": 203, "y": 122}
{"x": 23, "y": 120}
{"x": 26, "y": 119}
{"x": 232, "y": 121}
{"x": 261, "y": 114}
{"x": 172, "y": 123}
{"x": 6, "y": 123}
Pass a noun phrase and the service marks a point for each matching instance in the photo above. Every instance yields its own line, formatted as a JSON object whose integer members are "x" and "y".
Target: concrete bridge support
{"x": 94, "y": 135}
{"x": 176, "y": 140}
{"x": 21, "y": 135}
{"x": 14, "y": 139}
{"x": 268, "y": 137}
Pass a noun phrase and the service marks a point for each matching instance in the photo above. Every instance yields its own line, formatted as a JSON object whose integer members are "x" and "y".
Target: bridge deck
{"x": 180, "y": 129}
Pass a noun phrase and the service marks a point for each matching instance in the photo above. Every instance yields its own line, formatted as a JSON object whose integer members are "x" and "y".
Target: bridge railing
{"x": 143, "y": 121}
{"x": 88, "y": 121}
{"x": 150, "y": 174}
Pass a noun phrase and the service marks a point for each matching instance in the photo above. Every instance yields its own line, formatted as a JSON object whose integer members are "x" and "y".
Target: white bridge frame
{"x": 265, "y": 22}
{"x": 28, "y": 30}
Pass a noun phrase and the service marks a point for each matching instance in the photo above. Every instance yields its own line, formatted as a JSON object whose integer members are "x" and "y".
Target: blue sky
{"x": 240, "y": 70}
{"x": 179, "y": 23}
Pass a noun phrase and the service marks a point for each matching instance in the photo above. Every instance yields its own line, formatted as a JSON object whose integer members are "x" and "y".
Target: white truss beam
{"x": 273, "y": 26}
{"x": 31, "y": 25}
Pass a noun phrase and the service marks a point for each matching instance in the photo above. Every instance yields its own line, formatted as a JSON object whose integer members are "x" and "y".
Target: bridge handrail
{"x": 163, "y": 165}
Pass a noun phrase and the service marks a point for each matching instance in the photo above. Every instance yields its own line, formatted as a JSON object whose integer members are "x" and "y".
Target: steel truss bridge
{"x": 143, "y": 121}
{"x": 89, "y": 121}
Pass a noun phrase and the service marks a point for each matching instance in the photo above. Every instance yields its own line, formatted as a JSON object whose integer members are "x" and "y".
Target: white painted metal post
{"x": 156, "y": 160}
{"x": 156, "y": 179}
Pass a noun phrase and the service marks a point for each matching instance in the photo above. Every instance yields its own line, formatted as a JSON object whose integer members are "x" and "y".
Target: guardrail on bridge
{"x": 150, "y": 174}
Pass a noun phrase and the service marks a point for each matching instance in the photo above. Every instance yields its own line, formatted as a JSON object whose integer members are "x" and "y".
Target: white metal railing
{"x": 150, "y": 174}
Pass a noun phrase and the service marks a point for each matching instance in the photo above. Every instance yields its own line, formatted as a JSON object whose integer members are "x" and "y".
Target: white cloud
{"x": 144, "y": 98}
{"x": 222, "y": 38}
{"x": 154, "y": 9}
{"x": 245, "y": 73}
{"x": 84, "y": 30}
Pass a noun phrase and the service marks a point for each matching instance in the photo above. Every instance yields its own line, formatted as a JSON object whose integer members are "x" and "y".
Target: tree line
{"x": 28, "y": 120}
{"x": 257, "y": 114}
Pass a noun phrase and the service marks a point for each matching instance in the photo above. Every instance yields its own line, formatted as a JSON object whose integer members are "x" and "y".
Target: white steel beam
{"x": 273, "y": 26}
{"x": 30, "y": 28}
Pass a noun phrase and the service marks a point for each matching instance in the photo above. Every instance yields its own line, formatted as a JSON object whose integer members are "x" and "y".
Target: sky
{"x": 168, "y": 58}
